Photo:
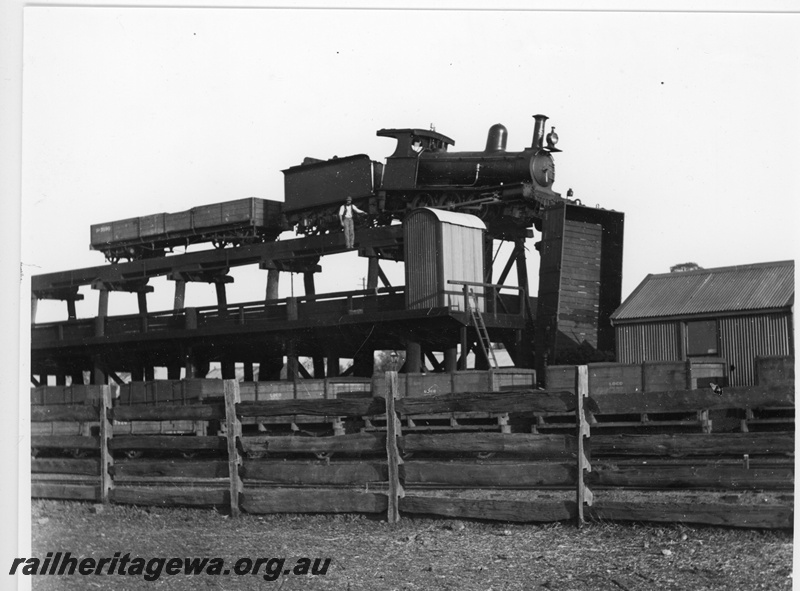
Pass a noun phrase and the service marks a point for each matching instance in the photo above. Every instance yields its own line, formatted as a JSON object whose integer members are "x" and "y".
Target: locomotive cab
{"x": 402, "y": 173}
{"x": 411, "y": 142}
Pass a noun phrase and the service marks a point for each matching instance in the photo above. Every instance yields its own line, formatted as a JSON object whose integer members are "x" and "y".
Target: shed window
{"x": 702, "y": 337}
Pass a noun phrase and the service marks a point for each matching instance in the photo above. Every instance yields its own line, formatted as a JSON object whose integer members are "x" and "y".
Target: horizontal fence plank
{"x": 312, "y": 501}
{"x": 688, "y": 477}
{"x": 752, "y": 516}
{"x": 513, "y": 401}
{"x": 693, "y": 444}
{"x": 72, "y": 492}
{"x": 553, "y": 447}
{"x": 167, "y": 496}
{"x": 314, "y": 474}
{"x": 496, "y": 510}
{"x": 168, "y": 442}
{"x": 354, "y": 443}
{"x": 90, "y": 467}
{"x": 687, "y": 400}
{"x": 518, "y": 401}
{"x": 81, "y": 413}
{"x": 170, "y": 412}
{"x": 171, "y": 469}
{"x": 489, "y": 475}
{"x": 316, "y": 407}
{"x": 64, "y": 442}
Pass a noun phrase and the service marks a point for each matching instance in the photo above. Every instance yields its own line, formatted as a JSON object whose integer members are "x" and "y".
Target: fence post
{"x": 106, "y": 434}
{"x": 584, "y": 495}
{"x": 392, "y": 453}
{"x": 233, "y": 432}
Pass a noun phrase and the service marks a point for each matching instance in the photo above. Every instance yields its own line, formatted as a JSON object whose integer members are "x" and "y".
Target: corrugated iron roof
{"x": 456, "y": 218}
{"x": 761, "y": 286}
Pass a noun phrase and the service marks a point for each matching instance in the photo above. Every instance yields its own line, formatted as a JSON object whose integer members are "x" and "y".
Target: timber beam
{"x": 132, "y": 286}
{"x": 202, "y": 276}
{"x": 251, "y": 254}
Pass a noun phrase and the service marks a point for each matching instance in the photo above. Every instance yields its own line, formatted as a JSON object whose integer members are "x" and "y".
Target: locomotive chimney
{"x": 497, "y": 139}
{"x": 538, "y": 131}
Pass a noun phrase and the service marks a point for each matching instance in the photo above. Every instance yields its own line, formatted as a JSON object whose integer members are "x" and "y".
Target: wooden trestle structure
{"x": 324, "y": 327}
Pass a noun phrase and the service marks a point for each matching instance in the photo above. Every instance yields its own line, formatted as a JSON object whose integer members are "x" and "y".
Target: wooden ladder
{"x": 480, "y": 326}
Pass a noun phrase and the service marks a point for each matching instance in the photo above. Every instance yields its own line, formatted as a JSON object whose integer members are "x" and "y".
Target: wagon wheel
{"x": 112, "y": 258}
{"x": 219, "y": 243}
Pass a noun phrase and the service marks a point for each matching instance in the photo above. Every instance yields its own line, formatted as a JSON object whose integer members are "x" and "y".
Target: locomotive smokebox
{"x": 538, "y": 132}
{"x": 497, "y": 139}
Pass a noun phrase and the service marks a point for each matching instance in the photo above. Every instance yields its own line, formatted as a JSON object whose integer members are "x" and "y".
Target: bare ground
{"x": 419, "y": 553}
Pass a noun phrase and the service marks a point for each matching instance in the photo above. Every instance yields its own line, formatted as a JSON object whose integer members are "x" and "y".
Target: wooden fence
{"x": 374, "y": 472}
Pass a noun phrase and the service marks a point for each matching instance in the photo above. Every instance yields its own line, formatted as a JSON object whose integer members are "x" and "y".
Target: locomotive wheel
{"x": 484, "y": 211}
{"x": 449, "y": 202}
{"x": 423, "y": 200}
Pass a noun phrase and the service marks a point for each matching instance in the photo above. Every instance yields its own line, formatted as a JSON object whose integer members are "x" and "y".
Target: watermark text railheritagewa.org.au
{"x": 150, "y": 569}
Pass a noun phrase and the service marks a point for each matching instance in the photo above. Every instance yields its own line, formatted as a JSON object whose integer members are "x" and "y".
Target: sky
{"x": 686, "y": 122}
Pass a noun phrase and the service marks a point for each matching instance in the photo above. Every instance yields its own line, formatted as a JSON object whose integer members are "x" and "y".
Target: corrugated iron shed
{"x": 743, "y": 288}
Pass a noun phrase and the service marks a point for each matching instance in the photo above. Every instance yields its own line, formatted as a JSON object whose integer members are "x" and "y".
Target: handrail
{"x": 523, "y": 304}
{"x": 481, "y": 284}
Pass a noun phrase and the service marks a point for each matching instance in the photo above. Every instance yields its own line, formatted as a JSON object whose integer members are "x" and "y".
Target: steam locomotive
{"x": 496, "y": 185}
{"x": 505, "y": 189}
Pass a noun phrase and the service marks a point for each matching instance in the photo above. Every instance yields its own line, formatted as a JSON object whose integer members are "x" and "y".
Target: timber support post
{"x": 234, "y": 434}
{"x": 584, "y": 495}
{"x": 106, "y": 434}
{"x": 393, "y": 431}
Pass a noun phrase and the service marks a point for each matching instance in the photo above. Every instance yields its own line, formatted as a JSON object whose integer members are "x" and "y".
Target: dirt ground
{"x": 420, "y": 553}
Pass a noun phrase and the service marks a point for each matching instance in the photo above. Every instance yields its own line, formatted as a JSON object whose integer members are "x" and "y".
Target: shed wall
{"x": 462, "y": 260}
{"x": 422, "y": 254}
{"x": 744, "y": 338}
{"x": 652, "y": 341}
